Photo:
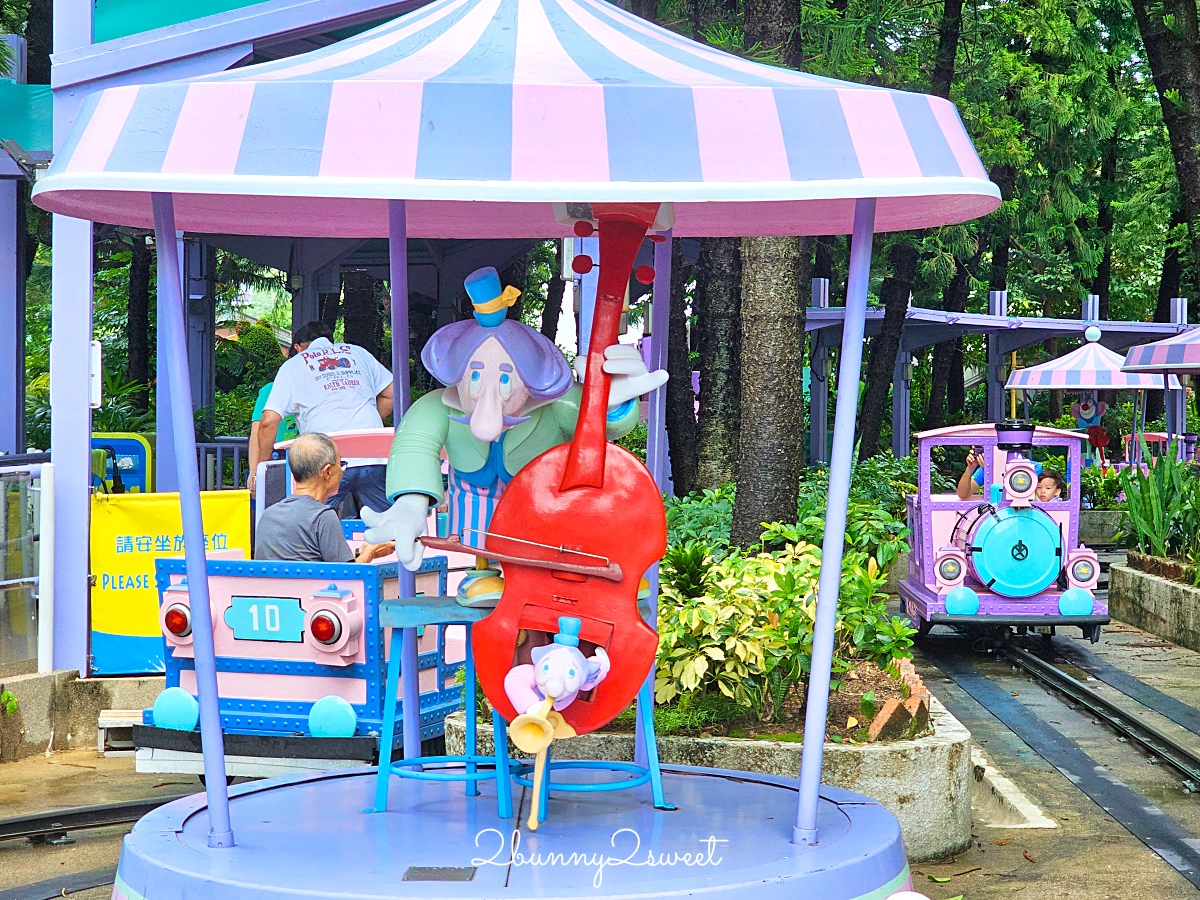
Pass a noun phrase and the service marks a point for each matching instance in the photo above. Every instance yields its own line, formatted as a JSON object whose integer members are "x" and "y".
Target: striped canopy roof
{"x": 484, "y": 112}
{"x": 1090, "y": 367}
{"x": 1179, "y": 353}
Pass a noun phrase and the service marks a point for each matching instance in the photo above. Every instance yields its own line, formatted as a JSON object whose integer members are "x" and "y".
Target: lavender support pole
{"x": 656, "y": 432}
{"x": 170, "y": 319}
{"x": 398, "y": 259}
{"x": 849, "y": 368}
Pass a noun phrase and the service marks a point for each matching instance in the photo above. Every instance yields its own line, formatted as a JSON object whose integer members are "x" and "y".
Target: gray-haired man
{"x": 301, "y": 527}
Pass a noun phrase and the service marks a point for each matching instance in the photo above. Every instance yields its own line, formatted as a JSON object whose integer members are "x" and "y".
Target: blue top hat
{"x": 568, "y": 631}
{"x": 491, "y": 304}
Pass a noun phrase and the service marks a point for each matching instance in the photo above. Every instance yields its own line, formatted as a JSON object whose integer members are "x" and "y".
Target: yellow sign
{"x": 128, "y": 533}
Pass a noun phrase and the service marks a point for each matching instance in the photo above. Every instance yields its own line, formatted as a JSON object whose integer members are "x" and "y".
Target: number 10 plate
{"x": 266, "y": 619}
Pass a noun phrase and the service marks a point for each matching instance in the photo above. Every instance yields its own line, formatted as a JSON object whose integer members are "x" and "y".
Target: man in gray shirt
{"x": 301, "y": 527}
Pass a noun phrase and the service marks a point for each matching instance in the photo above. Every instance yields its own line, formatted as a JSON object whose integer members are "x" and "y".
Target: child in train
{"x": 1050, "y": 486}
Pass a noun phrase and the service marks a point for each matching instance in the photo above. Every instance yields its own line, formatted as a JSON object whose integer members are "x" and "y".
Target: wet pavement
{"x": 74, "y": 778}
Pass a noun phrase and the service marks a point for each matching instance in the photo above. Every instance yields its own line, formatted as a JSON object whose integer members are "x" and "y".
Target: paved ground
{"x": 1090, "y": 855}
{"x": 75, "y": 778}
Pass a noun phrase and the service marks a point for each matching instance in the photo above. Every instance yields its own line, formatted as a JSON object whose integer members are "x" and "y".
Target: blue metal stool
{"x": 412, "y": 613}
{"x": 651, "y": 772}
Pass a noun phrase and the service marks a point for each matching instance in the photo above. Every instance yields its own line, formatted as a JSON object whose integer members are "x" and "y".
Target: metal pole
{"x": 849, "y": 369}
{"x": 45, "y": 595}
{"x": 656, "y": 434}
{"x": 12, "y": 322}
{"x": 818, "y": 391}
{"x": 409, "y": 663}
{"x": 170, "y": 320}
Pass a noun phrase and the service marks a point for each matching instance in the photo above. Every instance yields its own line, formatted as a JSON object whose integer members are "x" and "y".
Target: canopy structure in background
{"x": 1179, "y": 355}
{"x": 1090, "y": 367}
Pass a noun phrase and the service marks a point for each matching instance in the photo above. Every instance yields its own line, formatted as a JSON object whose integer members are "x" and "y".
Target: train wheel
{"x": 923, "y": 626}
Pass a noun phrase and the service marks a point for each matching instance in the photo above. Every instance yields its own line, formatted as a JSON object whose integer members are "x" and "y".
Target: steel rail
{"x": 79, "y": 818}
{"x": 1165, "y": 747}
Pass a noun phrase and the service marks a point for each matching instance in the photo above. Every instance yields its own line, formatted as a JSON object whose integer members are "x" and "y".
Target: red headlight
{"x": 178, "y": 620}
{"x": 326, "y": 627}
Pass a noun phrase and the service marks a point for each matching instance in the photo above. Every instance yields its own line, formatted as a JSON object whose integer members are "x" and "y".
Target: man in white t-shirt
{"x": 331, "y": 387}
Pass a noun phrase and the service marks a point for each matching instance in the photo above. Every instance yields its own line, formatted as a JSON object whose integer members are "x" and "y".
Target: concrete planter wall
{"x": 1169, "y": 609}
{"x": 925, "y": 782}
{"x": 896, "y": 573}
{"x": 1097, "y": 526}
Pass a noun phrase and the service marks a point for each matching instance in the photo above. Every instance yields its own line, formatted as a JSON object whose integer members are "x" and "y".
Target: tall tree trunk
{"x": 681, "y": 399}
{"x": 954, "y": 299}
{"x": 770, "y": 450}
{"x": 138, "y": 363}
{"x": 647, "y": 9}
{"x": 718, "y": 300}
{"x": 1168, "y": 287}
{"x": 554, "y": 300}
{"x": 1102, "y": 283}
{"x": 1174, "y": 54}
{"x": 949, "y": 29}
{"x": 894, "y": 292}
{"x": 775, "y": 24}
{"x": 956, "y": 387}
{"x": 360, "y": 315}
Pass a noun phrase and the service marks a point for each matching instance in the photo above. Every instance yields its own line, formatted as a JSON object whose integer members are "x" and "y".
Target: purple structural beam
{"x": 841, "y": 458}
{"x": 71, "y": 424}
{"x": 12, "y": 323}
{"x": 171, "y": 321}
{"x": 656, "y": 434}
{"x": 398, "y": 255}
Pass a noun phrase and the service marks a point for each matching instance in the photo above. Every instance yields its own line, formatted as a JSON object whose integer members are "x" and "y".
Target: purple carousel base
{"x": 310, "y": 837}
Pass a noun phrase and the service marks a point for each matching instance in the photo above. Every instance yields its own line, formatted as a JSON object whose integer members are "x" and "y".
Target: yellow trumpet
{"x": 533, "y": 732}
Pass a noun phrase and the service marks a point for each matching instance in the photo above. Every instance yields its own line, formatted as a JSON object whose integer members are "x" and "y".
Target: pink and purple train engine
{"x": 1003, "y": 558}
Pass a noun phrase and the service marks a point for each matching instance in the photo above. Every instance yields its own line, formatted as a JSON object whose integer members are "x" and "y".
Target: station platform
{"x": 312, "y": 837}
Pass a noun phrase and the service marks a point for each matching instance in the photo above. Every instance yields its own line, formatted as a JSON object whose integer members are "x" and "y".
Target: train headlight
{"x": 326, "y": 627}
{"x": 178, "y": 620}
{"x": 950, "y": 568}
{"x": 1083, "y": 571}
{"x": 1020, "y": 481}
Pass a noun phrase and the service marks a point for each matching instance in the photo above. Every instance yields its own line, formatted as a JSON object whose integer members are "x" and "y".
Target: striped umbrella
{"x": 1179, "y": 353}
{"x": 1090, "y": 367}
{"x": 484, "y": 113}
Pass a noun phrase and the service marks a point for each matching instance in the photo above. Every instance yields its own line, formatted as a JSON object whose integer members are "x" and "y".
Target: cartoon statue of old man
{"x": 509, "y": 397}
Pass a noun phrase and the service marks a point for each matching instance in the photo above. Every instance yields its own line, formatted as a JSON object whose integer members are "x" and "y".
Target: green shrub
{"x": 1162, "y": 505}
{"x": 749, "y": 635}
{"x": 1101, "y": 488}
{"x": 705, "y": 516}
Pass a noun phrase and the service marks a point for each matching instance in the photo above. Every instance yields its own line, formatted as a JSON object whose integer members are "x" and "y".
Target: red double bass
{"x": 578, "y": 527}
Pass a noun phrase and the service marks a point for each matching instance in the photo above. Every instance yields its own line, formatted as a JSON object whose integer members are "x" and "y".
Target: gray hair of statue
{"x": 309, "y": 454}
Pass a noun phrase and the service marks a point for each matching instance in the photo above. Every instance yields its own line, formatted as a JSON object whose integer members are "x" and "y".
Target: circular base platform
{"x": 311, "y": 837}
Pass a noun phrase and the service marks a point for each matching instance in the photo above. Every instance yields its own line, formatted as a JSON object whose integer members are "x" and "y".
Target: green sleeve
{"x": 261, "y": 401}
{"x": 566, "y": 412}
{"x": 415, "y": 465}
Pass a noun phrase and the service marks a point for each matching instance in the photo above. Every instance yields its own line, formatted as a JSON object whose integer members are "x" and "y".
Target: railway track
{"x": 1137, "y": 813}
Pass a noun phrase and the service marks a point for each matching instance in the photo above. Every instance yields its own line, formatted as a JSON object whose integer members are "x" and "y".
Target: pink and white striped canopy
{"x": 482, "y": 113}
{"x": 1179, "y": 353}
{"x": 1090, "y": 367}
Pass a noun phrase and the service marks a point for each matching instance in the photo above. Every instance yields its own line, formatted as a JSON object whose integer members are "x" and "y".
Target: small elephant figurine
{"x": 559, "y": 670}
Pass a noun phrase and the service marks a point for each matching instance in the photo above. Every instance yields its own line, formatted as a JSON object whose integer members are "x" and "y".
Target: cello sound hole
{"x": 530, "y": 638}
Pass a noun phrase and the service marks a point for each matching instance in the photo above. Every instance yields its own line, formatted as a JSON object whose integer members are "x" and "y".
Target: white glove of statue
{"x": 630, "y": 377}
{"x": 403, "y": 522}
